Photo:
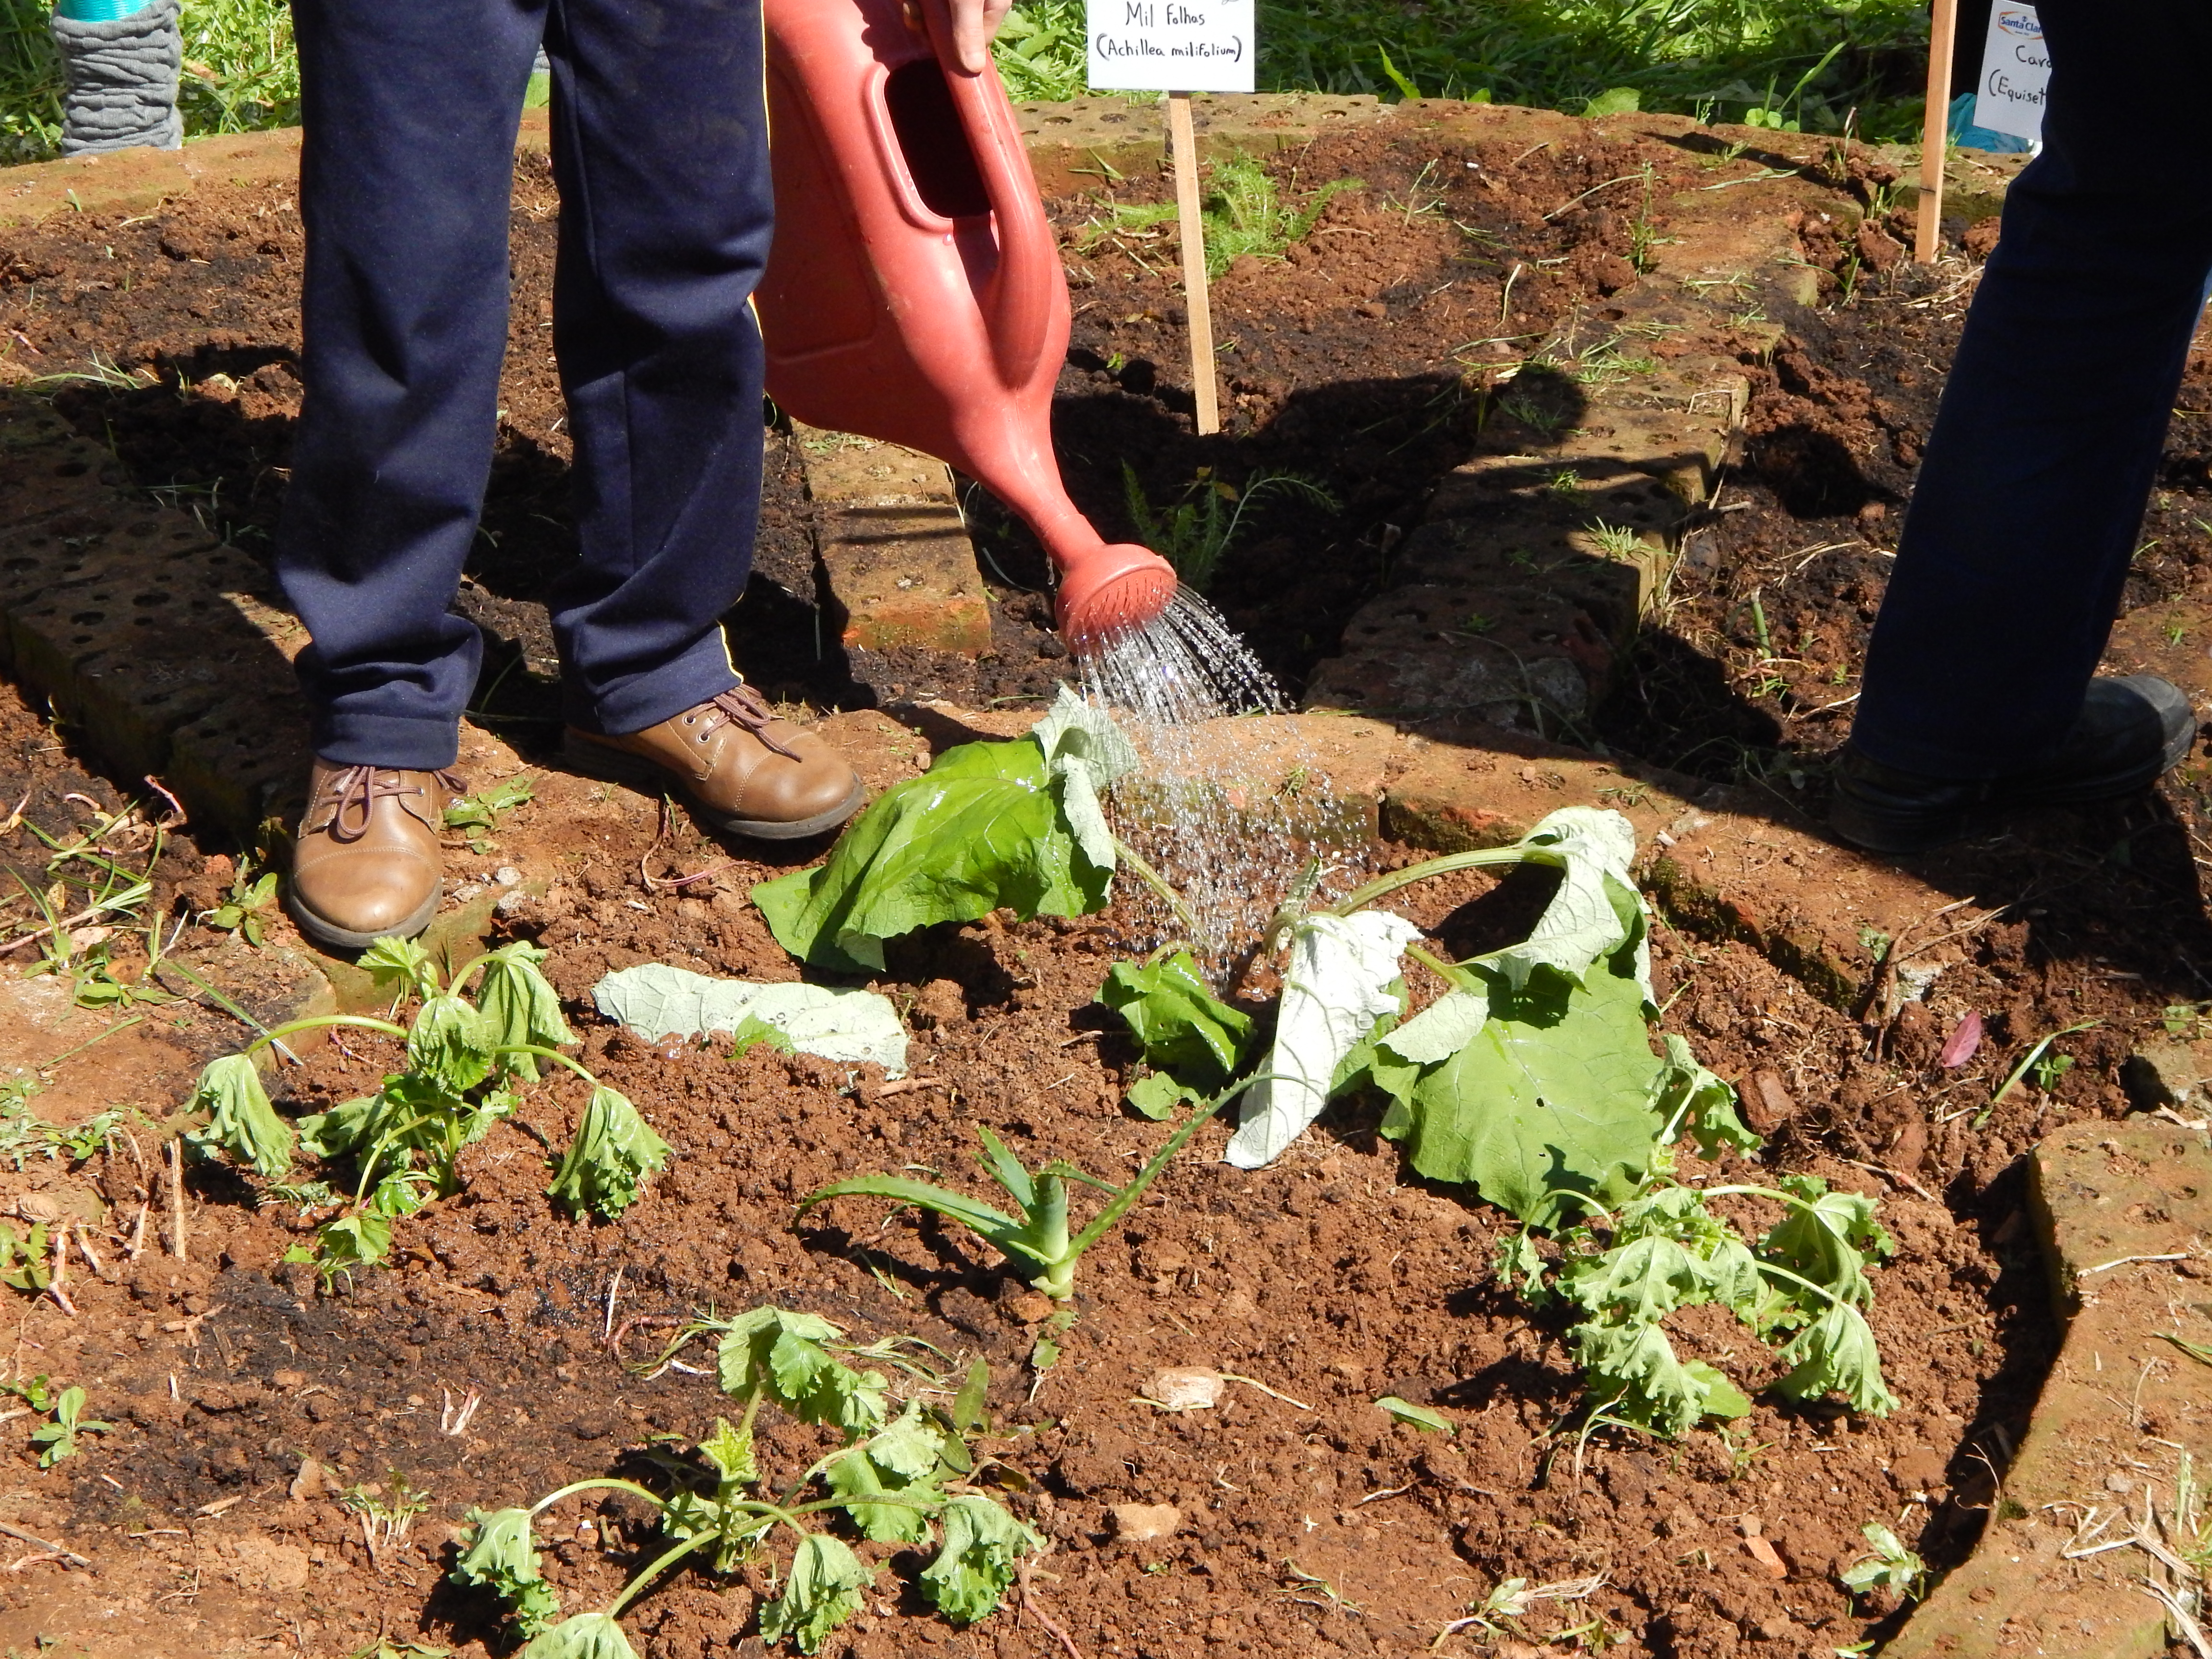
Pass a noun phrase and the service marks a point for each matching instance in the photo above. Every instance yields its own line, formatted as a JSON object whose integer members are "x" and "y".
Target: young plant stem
{"x": 1480, "y": 858}
{"x": 639, "y": 1585}
{"x": 1062, "y": 1274}
{"x": 598, "y": 1483}
{"x": 319, "y": 1022}
{"x": 1158, "y": 884}
{"x": 1447, "y": 971}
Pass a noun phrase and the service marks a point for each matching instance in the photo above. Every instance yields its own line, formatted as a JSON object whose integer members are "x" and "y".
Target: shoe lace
{"x": 354, "y": 791}
{"x": 742, "y": 705}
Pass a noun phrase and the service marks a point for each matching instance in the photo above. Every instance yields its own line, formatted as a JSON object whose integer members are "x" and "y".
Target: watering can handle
{"x": 1019, "y": 303}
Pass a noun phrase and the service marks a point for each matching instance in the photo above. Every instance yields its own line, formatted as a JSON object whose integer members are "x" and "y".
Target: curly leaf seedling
{"x": 893, "y": 1479}
{"x": 464, "y": 1062}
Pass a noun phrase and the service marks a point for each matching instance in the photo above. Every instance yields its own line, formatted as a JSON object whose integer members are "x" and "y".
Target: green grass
{"x": 1717, "y": 59}
{"x": 1244, "y": 213}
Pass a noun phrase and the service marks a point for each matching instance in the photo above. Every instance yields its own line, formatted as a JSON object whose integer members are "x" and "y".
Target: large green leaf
{"x": 896, "y": 1468}
{"x": 521, "y": 1005}
{"x": 1837, "y": 1353}
{"x": 782, "y": 1352}
{"x": 452, "y": 1042}
{"x": 983, "y": 1548}
{"x": 1551, "y": 1098}
{"x": 1636, "y": 1375}
{"x": 984, "y": 828}
{"x": 614, "y": 1151}
{"x": 822, "y": 1590}
{"x": 1084, "y": 751}
{"x": 241, "y": 1122}
{"x": 1343, "y": 978}
{"x": 1183, "y": 1027}
{"x": 1596, "y": 909}
{"x": 501, "y": 1556}
{"x": 587, "y": 1636}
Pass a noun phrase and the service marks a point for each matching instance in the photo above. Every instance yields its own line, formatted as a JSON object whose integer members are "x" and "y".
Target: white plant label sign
{"x": 2015, "y": 69}
{"x": 1171, "y": 45}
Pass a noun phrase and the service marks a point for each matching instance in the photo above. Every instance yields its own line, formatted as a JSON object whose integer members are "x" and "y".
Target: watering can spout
{"x": 1112, "y": 590}
{"x": 913, "y": 293}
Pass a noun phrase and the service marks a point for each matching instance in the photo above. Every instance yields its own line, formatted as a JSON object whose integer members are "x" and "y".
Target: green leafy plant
{"x": 27, "y": 1264}
{"x": 1774, "y": 113}
{"x": 1891, "y": 1567}
{"x": 1802, "y": 1288}
{"x": 23, "y": 1132}
{"x": 1040, "y": 52}
{"x": 57, "y": 1439}
{"x": 477, "y": 815}
{"x": 1244, "y": 213}
{"x": 1036, "y": 1242}
{"x": 896, "y": 1479}
{"x": 1015, "y": 824}
{"x": 245, "y": 911}
{"x": 1535, "y": 1078}
{"x": 1193, "y": 533}
{"x": 466, "y": 1064}
{"x": 1195, "y": 1039}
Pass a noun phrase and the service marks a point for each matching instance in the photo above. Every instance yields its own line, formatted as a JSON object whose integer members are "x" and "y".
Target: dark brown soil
{"x": 1332, "y": 1278}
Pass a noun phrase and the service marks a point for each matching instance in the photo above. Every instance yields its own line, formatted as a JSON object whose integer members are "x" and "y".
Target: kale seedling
{"x": 894, "y": 1479}
{"x": 1037, "y": 1242}
{"x": 1891, "y": 1567}
{"x": 477, "y": 815}
{"x": 57, "y": 1439}
{"x": 466, "y": 1062}
{"x": 242, "y": 913}
{"x": 1802, "y": 1288}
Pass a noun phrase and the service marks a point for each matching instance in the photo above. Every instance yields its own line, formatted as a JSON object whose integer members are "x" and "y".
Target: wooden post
{"x": 1936, "y": 135}
{"x": 1183, "y": 145}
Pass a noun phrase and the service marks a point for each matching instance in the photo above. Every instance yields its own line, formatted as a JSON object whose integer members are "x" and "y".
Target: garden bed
{"x": 1311, "y": 1523}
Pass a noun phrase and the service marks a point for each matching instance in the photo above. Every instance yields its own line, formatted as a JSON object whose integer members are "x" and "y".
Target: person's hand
{"x": 974, "y": 24}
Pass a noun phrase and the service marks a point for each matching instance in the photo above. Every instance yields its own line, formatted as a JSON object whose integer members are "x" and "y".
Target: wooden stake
{"x": 1935, "y": 134}
{"x": 177, "y": 1201}
{"x": 1183, "y": 145}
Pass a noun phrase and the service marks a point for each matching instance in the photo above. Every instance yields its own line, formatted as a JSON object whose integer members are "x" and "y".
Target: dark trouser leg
{"x": 410, "y": 108}
{"x": 2031, "y": 496}
{"x": 661, "y": 146}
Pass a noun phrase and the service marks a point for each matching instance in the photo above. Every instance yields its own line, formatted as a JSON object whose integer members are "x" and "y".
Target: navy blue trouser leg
{"x": 2031, "y": 494}
{"x": 660, "y": 150}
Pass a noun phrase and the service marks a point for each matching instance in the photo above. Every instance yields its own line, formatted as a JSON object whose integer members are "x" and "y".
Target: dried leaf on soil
{"x": 656, "y": 1000}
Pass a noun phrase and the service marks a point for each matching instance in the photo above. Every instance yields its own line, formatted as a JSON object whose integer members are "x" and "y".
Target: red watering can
{"x": 913, "y": 293}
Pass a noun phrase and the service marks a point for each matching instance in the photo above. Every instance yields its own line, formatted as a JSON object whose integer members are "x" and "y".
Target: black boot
{"x": 2129, "y": 734}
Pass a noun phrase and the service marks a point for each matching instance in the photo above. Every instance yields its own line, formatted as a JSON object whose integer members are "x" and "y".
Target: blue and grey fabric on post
{"x": 120, "y": 59}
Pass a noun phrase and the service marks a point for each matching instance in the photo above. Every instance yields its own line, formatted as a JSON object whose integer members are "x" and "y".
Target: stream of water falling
{"x": 1230, "y": 814}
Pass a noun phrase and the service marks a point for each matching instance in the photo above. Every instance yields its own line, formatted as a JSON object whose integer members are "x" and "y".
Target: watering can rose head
{"x": 1115, "y": 588}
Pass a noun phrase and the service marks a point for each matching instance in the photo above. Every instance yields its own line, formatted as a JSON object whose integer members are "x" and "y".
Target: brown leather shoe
{"x": 365, "y": 863}
{"x": 749, "y": 772}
